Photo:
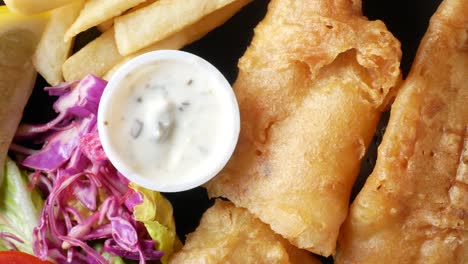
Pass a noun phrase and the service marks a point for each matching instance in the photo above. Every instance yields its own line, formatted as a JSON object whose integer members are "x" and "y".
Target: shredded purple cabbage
{"x": 88, "y": 200}
{"x": 7, "y": 238}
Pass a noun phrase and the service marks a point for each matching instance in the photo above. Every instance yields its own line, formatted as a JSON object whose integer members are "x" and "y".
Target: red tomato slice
{"x": 16, "y": 257}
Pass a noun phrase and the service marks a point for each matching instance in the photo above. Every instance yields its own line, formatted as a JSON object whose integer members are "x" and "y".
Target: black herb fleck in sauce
{"x": 190, "y": 82}
{"x": 183, "y": 106}
{"x": 139, "y": 99}
{"x": 136, "y": 129}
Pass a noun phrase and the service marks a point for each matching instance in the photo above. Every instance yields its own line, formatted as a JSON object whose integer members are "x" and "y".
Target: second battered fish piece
{"x": 228, "y": 234}
{"x": 414, "y": 206}
{"x": 311, "y": 88}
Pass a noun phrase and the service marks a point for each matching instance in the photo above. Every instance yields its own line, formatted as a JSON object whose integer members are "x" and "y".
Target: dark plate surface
{"x": 407, "y": 20}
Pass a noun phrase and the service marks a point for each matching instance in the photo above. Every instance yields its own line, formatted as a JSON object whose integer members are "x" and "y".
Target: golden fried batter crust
{"x": 414, "y": 206}
{"x": 228, "y": 234}
{"x": 311, "y": 88}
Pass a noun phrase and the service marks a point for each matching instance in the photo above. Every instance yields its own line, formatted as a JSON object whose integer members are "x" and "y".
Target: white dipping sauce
{"x": 169, "y": 124}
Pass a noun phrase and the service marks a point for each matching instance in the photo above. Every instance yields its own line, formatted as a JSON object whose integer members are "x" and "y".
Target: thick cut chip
{"x": 97, "y": 57}
{"x": 96, "y": 12}
{"x": 52, "y": 51}
{"x": 144, "y": 4}
{"x": 29, "y": 7}
{"x": 311, "y": 88}
{"x": 188, "y": 34}
{"x": 106, "y": 25}
{"x": 160, "y": 20}
{"x": 101, "y": 55}
{"x": 414, "y": 206}
{"x": 228, "y": 234}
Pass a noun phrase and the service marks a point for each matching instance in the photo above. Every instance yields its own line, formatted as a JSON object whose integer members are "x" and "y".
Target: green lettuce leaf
{"x": 155, "y": 212}
{"x": 19, "y": 207}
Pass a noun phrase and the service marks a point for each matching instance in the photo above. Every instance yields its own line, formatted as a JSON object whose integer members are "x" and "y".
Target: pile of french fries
{"x": 129, "y": 28}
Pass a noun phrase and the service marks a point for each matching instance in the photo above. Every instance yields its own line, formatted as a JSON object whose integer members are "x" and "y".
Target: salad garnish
{"x": 91, "y": 212}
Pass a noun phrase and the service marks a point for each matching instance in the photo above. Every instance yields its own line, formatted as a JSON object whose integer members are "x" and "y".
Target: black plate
{"x": 407, "y": 20}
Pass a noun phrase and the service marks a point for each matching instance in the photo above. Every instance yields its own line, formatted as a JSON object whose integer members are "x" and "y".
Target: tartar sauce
{"x": 168, "y": 123}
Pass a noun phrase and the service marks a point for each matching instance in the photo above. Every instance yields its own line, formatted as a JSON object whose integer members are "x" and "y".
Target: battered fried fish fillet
{"x": 311, "y": 88}
{"x": 228, "y": 234}
{"x": 414, "y": 206}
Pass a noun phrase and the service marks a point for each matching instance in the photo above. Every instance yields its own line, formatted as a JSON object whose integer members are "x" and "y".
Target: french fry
{"x": 52, "y": 51}
{"x": 160, "y": 20}
{"x": 106, "y": 25}
{"x": 140, "y": 6}
{"x": 101, "y": 55}
{"x": 189, "y": 34}
{"x": 98, "y": 11}
{"x": 29, "y": 7}
{"x": 97, "y": 57}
